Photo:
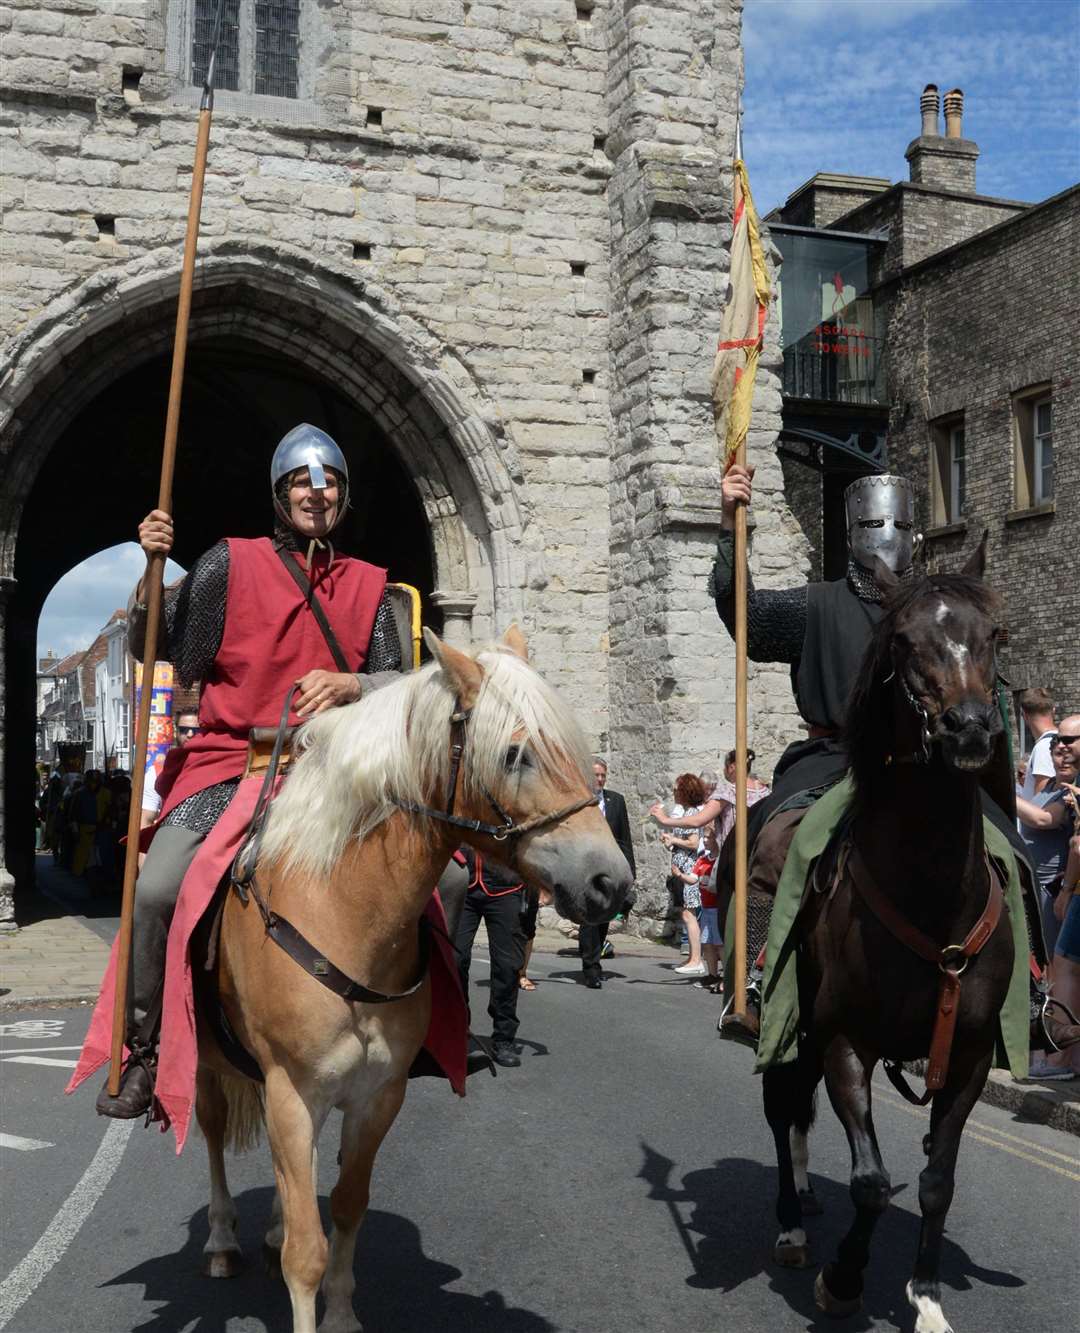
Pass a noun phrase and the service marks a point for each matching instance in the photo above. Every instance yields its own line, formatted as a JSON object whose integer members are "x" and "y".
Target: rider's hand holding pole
{"x": 735, "y": 487}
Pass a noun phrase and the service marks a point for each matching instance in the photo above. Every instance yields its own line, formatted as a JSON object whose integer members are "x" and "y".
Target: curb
{"x": 57, "y": 997}
{"x": 1031, "y": 1102}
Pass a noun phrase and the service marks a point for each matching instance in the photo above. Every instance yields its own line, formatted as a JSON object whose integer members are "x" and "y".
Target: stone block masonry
{"x": 507, "y": 222}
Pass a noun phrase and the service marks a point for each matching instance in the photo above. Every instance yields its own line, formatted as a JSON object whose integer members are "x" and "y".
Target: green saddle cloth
{"x": 780, "y": 1009}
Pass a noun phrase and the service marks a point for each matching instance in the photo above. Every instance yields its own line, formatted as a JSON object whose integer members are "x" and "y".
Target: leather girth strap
{"x": 952, "y": 960}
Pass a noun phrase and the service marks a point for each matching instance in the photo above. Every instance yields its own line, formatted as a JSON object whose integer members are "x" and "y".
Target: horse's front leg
{"x": 221, "y": 1253}
{"x": 363, "y": 1130}
{"x": 838, "y": 1290}
{"x": 948, "y": 1115}
{"x": 293, "y": 1129}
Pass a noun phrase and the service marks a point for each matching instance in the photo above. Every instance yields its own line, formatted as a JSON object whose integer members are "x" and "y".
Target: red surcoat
{"x": 271, "y": 639}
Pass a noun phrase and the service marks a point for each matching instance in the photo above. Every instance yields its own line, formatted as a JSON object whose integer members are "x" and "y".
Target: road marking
{"x": 23, "y": 1145}
{"x": 38, "y": 1050}
{"x": 24, "y": 1279}
{"x": 39, "y": 1060}
{"x": 33, "y": 1029}
{"x": 969, "y": 1132}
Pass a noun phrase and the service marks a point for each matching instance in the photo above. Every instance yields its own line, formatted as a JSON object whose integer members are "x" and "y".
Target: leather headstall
{"x": 952, "y": 961}
{"x": 508, "y": 831}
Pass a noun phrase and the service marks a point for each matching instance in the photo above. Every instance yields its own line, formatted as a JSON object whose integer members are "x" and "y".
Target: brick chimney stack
{"x": 946, "y": 161}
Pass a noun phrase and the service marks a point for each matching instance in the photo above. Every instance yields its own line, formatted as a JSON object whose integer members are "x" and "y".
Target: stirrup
{"x": 1048, "y": 1003}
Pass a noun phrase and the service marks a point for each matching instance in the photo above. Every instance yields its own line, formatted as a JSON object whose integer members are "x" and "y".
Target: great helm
{"x": 307, "y": 446}
{"x": 880, "y": 516}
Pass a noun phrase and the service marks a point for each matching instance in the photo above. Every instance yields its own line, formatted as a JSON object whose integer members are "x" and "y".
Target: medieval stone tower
{"x": 484, "y": 244}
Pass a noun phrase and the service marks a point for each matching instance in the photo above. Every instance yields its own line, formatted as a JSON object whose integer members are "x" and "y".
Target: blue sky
{"x": 833, "y": 85}
{"x": 84, "y": 599}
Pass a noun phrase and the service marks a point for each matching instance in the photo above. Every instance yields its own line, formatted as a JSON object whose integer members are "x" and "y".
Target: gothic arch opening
{"x": 85, "y": 446}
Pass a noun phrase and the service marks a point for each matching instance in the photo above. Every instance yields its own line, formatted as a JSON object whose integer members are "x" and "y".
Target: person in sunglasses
{"x": 1046, "y": 822}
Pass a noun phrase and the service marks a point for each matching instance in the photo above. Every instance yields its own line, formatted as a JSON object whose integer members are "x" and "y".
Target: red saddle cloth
{"x": 446, "y": 1040}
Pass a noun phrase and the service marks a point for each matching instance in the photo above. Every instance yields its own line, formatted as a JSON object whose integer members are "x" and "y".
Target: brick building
{"x": 483, "y": 244}
{"x": 949, "y": 353}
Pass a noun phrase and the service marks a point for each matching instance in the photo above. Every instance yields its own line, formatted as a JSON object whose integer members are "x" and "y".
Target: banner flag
{"x": 743, "y": 324}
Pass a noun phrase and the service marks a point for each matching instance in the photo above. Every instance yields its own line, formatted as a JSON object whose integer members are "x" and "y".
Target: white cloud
{"x": 852, "y": 13}
{"x": 84, "y": 599}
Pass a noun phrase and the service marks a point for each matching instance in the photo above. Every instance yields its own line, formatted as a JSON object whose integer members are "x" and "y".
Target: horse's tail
{"x": 245, "y": 1112}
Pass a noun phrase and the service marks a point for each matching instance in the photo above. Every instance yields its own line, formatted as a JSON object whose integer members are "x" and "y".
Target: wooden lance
{"x": 153, "y": 579}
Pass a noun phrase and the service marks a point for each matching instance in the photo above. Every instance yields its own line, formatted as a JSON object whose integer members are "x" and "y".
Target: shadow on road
{"x": 724, "y": 1216}
{"x": 398, "y": 1288}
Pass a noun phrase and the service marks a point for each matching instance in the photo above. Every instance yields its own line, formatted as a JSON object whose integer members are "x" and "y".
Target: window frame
{"x": 946, "y": 507}
{"x": 1028, "y": 489}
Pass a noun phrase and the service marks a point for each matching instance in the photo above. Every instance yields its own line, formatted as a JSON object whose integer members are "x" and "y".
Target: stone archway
{"x": 330, "y": 331}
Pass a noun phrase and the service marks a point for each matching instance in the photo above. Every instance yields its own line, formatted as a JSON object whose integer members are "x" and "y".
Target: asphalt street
{"x": 621, "y": 1179}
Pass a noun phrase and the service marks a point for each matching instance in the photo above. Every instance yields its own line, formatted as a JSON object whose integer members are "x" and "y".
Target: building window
{"x": 1033, "y": 422}
{"x": 258, "y": 48}
{"x": 948, "y": 472}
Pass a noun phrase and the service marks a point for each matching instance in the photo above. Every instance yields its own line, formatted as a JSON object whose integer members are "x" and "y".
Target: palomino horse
{"x": 367, "y": 819}
{"x": 922, "y": 724}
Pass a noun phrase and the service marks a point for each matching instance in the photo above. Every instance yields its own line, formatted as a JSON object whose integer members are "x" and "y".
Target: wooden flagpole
{"x": 740, "y": 713}
{"x": 153, "y": 579}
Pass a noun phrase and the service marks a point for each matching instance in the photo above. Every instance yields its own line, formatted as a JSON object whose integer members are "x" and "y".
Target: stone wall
{"x": 967, "y": 332}
{"x": 503, "y": 226}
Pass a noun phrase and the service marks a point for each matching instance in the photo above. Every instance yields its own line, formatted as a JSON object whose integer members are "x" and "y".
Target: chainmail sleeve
{"x": 194, "y": 614}
{"x": 384, "y": 650}
{"x": 775, "y": 618}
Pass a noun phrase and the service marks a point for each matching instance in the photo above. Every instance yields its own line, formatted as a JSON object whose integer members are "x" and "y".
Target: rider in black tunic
{"x": 822, "y": 630}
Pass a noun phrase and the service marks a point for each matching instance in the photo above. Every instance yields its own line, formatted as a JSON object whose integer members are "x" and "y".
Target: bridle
{"x": 922, "y": 754}
{"x": 510, "y": 830}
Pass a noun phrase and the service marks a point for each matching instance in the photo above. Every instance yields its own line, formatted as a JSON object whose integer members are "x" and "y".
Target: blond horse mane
{"x": 356, "y": 762}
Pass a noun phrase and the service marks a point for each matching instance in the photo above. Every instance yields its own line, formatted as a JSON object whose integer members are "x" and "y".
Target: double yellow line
{"x": 1001, "y": 1139}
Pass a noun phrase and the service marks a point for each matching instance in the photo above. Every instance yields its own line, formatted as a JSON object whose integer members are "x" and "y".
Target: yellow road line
{"x": 1019, "y": 1138}
{"x": 919, "y": 1113}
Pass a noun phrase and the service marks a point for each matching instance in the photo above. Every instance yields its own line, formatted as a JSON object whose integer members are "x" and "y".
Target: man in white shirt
{"x": 1037, "y": 707}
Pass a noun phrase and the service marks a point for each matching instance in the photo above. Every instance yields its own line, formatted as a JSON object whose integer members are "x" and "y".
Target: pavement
{"x": 59, "y": 953}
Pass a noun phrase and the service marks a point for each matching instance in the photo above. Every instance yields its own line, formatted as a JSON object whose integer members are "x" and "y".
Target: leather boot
{"x": 136, "y": 1095}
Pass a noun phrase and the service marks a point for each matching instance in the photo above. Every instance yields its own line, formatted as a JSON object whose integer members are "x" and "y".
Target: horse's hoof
{"x": 832, "y": 1305}
{"x": 222, "y": 1263}
{"x": 271, "y": 1257}
{"x": 792, "y": 1256}
{"x": 808, "y": 1202}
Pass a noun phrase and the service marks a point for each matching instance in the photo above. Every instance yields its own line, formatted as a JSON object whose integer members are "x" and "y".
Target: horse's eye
{"x": 513, "y": 757}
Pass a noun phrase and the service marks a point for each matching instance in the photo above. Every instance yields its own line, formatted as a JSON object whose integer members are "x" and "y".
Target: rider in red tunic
{"x": 242, "y": 625}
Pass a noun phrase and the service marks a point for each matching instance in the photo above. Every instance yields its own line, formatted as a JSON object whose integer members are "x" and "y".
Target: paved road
{"x": 620, "y": 1181}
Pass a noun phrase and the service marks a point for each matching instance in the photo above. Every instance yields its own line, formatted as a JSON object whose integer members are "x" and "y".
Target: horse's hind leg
{"x": 948, "y": 1114}
{"x": 362, "y": 1131}
{"x": 800, "y": 1150}
{"x": 781, "y": 1091}
{"x": 221, "y": 1253}
{"x": 838, "y": 1290}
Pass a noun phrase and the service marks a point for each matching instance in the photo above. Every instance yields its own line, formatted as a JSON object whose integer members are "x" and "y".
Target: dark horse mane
{"x": 868, "y": 731}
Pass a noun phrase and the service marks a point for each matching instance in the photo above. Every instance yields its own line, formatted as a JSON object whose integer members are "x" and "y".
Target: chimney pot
{"x": 954, "y": 114}
{"x": 929, "y": 105}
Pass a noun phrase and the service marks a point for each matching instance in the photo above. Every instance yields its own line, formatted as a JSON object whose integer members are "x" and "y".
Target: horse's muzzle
{"x": 966, "y": 734}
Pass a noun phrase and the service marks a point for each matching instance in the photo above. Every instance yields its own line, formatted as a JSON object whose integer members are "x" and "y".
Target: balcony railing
{"x": 835, "y": 368}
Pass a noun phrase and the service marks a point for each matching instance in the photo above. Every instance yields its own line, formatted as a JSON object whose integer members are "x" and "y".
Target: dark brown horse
{"x": 922, "y": 724}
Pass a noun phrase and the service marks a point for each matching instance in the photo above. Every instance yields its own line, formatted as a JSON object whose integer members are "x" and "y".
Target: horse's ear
{"x": 515, "y": 641}
{"x": 465, "y": 674}
{"x": 976, "y": 564}
{"x": 885, "y": 579}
